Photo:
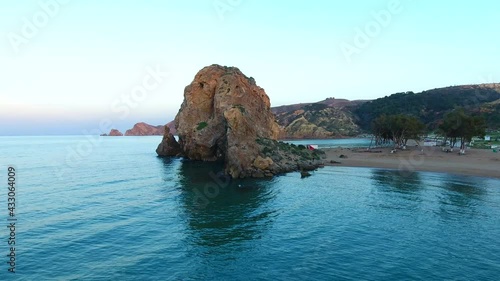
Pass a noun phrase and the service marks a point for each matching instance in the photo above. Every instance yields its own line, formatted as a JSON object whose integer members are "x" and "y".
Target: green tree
{"x": 397, "y": 129}
{"x": 459, "y": 126}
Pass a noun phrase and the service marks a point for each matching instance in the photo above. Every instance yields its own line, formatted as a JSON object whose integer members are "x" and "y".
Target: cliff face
{"x": 143, "y": 129}
{"x": 223, "y": 116}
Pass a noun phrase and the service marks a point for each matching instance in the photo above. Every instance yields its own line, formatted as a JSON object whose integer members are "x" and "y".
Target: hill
{"x": 430, "y": 106}
{"x": 330, "y": 118}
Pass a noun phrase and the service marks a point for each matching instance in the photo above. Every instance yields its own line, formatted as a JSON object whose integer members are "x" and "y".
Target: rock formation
{"x": 143, "y": 129}
{"x": 171, "y": 126}
{"x": 226, "y": 116}
{"x": 169, "y": 146}
{"x": 115, "y": 133}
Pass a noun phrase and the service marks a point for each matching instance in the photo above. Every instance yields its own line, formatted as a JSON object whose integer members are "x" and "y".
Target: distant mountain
{"x": 113, "y": 133}
{"x": 144, "y": 129}
{"x": 330, "y": 118}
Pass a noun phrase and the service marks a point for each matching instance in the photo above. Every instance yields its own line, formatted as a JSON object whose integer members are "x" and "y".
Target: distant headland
{"x": 141, "y": 129}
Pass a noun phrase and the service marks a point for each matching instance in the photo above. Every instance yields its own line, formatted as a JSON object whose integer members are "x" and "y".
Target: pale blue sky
{"x": 73, "y": 70}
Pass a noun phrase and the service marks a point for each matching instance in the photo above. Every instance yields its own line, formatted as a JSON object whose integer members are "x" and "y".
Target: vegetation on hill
{"x": 431, "y": 106}
{"x": 318, "y": 120}
{"x": 491, "y": 113}
{"x": 457, "y": 125}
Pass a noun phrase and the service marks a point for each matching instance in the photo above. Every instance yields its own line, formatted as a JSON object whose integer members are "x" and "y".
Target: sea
{"x": 107, "y": 208}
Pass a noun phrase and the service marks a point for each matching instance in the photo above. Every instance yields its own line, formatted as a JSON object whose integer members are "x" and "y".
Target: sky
{"x": 81, "y": 67}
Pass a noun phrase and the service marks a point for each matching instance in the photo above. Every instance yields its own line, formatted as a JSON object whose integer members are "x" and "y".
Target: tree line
{"x": 431, "y": 106}
{"x": 456, "y": 126}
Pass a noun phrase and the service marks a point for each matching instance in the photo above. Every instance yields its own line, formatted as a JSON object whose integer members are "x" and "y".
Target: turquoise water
{"x": 112, "y": 210}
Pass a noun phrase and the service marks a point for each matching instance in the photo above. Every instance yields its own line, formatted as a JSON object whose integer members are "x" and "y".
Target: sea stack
{"x": 226, "y": 116}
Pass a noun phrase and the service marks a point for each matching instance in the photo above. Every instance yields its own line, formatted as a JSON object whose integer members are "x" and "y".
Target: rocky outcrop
{"x": 169, "y": 146}
{"x": 143, "y": 129}
{"x": 226, "y": 116}
{"x": 115, "y": 133}
{"x": 171, "y": 126}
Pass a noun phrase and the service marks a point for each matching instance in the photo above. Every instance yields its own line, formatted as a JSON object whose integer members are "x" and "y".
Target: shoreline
{"x": 475, "y": 162}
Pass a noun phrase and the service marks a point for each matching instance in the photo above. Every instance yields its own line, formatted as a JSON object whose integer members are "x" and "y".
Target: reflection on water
{"x": 460, "y": 196}
{"x": 219, "y": 210}
{"x": 397, "y": 181}
{"x": 393, "y": 188}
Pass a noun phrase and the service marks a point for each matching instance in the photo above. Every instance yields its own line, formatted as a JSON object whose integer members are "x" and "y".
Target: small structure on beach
{"x": 312, "y": 146}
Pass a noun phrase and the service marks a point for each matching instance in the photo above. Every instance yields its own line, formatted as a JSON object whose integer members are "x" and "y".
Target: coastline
{"x": 475, "y": 162}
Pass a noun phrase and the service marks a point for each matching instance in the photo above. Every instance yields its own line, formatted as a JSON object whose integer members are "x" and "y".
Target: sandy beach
{"x": 476, "y": 162}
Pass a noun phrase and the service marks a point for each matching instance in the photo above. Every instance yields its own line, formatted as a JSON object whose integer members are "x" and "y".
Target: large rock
{"x": 144, "y": 129}
{"x": 262, "y": 163}
{"x": 222, "y": 117}
{"x": 168, "y": 146}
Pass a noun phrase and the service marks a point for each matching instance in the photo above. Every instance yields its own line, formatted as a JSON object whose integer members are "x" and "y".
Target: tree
{"x": 397, "y": 129}
{"x": 459, "y": 126}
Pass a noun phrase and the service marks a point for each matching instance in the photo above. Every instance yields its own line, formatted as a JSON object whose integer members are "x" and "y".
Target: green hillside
{"x": 430, "y": 106}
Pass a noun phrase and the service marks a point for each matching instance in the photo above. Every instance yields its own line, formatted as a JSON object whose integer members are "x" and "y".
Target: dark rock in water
{"x": 308, "y": 166}
{"x": 168, "y": 146}
{"x": 304, "y": 174}
{"x": 226, "y": 116}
